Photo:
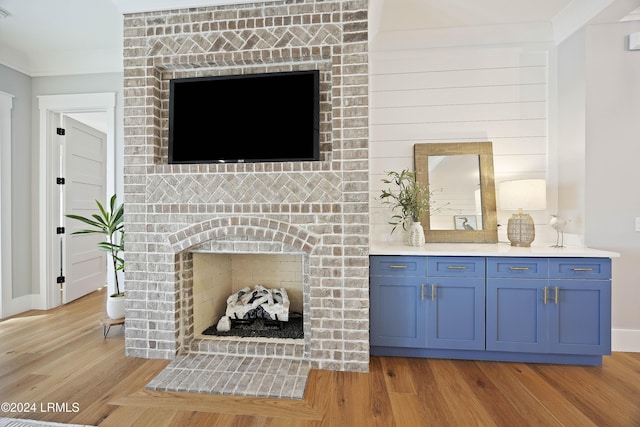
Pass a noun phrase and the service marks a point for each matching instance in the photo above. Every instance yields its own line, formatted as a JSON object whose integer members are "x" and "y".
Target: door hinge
{"x": 60, "y": 279}
{"x": 60, "y": 181}
{"x": 60, "y": 230}
{"x": 60, "y": 131}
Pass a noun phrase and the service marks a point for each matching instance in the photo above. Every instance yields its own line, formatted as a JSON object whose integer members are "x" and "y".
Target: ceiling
{"x": 44, "y": 37}
{"x": 58, "y": 37}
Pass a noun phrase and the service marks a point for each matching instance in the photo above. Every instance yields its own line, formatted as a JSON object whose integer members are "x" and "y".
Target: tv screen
{"x": 245, "y": 118}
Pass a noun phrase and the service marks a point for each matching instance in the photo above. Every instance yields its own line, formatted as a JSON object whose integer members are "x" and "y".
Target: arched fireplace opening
{"x": 220, "y": 258}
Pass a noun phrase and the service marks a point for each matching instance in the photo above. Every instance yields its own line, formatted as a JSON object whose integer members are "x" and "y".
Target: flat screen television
{"x": 270, "y": 117}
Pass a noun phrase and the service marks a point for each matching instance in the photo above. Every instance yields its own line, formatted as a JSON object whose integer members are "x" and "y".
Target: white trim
{"x": 574, "y": 16}
{"x": 51, "y": 106}
{"x": 634, "y": 41}
{"x": 627, "y": 340}
{"x": 6, "y": 282}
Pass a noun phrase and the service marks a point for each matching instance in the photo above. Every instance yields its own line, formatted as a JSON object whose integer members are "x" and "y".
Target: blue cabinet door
{"x": 574, "y": 318}
{"x": 516, "y": 315}
{"x": 455, "y": 313}
{"x": 580, "y": 317}
{"x": 398, "y": 315}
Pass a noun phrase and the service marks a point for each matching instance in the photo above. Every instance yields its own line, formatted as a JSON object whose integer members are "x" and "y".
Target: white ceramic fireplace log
{"x": 274, "y": 302}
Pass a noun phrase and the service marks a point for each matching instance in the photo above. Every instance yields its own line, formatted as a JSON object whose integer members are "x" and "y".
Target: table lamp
{"x": 524, "y": 194}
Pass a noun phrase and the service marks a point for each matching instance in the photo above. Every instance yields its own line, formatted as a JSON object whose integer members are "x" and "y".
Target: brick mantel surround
{"x": 319, "y": 209}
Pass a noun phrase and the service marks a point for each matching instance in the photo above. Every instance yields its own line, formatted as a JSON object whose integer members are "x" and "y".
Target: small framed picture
{"x": 465, "y": 222}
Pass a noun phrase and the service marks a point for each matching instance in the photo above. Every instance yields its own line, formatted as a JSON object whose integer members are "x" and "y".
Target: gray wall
{"x": 612, "y": 153}
{"x": 19, "y": 85}
{"x": 598, "y": 132}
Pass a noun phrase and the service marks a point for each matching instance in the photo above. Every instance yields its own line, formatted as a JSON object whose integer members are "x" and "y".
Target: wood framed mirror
{"x": 460, "y": 179}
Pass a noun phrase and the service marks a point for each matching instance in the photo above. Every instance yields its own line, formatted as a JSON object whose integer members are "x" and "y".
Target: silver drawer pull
{"x": 519, "y": 268}
{"x": 397, "y": 266}
{"x": 457, "y": 267}
{"x": 582, "y": 269}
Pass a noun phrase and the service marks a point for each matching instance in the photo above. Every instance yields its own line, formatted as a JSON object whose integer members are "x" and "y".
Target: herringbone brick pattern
{"x": 244, "y": 40}
{"x": 271, "y": 188}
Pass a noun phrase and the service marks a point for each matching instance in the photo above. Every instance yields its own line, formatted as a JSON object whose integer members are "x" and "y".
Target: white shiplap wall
{"x": 456, "y": 95}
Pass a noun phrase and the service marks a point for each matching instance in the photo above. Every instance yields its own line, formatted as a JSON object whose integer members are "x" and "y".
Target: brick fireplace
{"x": 318, "y": 210}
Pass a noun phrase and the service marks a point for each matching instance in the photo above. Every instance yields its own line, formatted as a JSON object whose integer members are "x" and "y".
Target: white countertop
{"x": 485, "y": 249}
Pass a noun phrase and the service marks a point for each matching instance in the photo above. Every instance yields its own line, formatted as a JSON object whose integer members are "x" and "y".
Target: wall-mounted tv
{"x": 270, "y": 117}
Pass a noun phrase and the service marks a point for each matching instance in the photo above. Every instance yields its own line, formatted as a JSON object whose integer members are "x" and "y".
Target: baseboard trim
{"x": 627, "y": 340}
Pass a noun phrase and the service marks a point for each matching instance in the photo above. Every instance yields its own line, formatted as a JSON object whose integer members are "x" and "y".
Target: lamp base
{"x": 520, "y": 230}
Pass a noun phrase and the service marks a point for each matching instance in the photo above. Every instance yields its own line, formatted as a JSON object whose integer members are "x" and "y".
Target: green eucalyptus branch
{"x": 411, "y": 198}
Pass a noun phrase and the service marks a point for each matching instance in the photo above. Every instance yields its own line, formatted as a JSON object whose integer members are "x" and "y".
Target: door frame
{"x": 6, "y": 282}
{"x": 51, "y": 108}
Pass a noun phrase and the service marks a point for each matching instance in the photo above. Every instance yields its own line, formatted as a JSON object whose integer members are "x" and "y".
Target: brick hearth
{"x": 316, "y": 209}
{"x": 237, "y": 375}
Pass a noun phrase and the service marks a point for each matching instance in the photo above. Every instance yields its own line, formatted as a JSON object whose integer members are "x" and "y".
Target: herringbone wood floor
{"x": 59, "y": 357}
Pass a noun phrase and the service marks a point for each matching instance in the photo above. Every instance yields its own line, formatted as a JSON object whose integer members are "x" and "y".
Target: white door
{"x": 84, "y": 267}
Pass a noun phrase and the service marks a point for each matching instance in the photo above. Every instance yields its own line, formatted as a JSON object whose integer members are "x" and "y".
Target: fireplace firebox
{"x": 248, "y": 295}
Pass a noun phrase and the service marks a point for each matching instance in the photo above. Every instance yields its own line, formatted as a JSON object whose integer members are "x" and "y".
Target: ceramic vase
{"x": 115, "y": 307}
{"x": 416, "y": 234}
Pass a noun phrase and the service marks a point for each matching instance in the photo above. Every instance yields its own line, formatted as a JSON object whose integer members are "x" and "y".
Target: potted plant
{"x": 109, "y": 222}
{"x": 412, "y": 200}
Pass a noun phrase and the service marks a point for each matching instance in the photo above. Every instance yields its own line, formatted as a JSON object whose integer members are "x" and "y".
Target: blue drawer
{"x": 531, "y": 268}
{"x": 580, "y": 268}
{"x": 381, "y": 265}
{"x": 440, "y": 266}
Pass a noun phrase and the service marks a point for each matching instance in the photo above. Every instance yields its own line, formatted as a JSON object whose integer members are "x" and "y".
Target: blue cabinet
{"x": 397, "y": 286}
{"x": 529, "y": 309}
{"x": 455, "y": 302}
{"x": 557, "y": 305}
{"x": 580, "y": 316}
{"x": 436, "y": 306}
{"x": 516, "y": 315}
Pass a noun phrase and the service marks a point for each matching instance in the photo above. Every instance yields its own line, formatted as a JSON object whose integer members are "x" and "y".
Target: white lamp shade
{"x": 525, "y": 194}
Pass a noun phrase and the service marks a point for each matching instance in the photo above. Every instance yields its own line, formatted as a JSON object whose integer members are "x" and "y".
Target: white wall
{"x": 612, "y": 173}
{"x": 482, "y": 93}
{"x": 571, "y": 131}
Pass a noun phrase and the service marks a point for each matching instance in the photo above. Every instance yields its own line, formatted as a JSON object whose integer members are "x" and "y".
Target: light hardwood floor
{"x": 59, "y": 357}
